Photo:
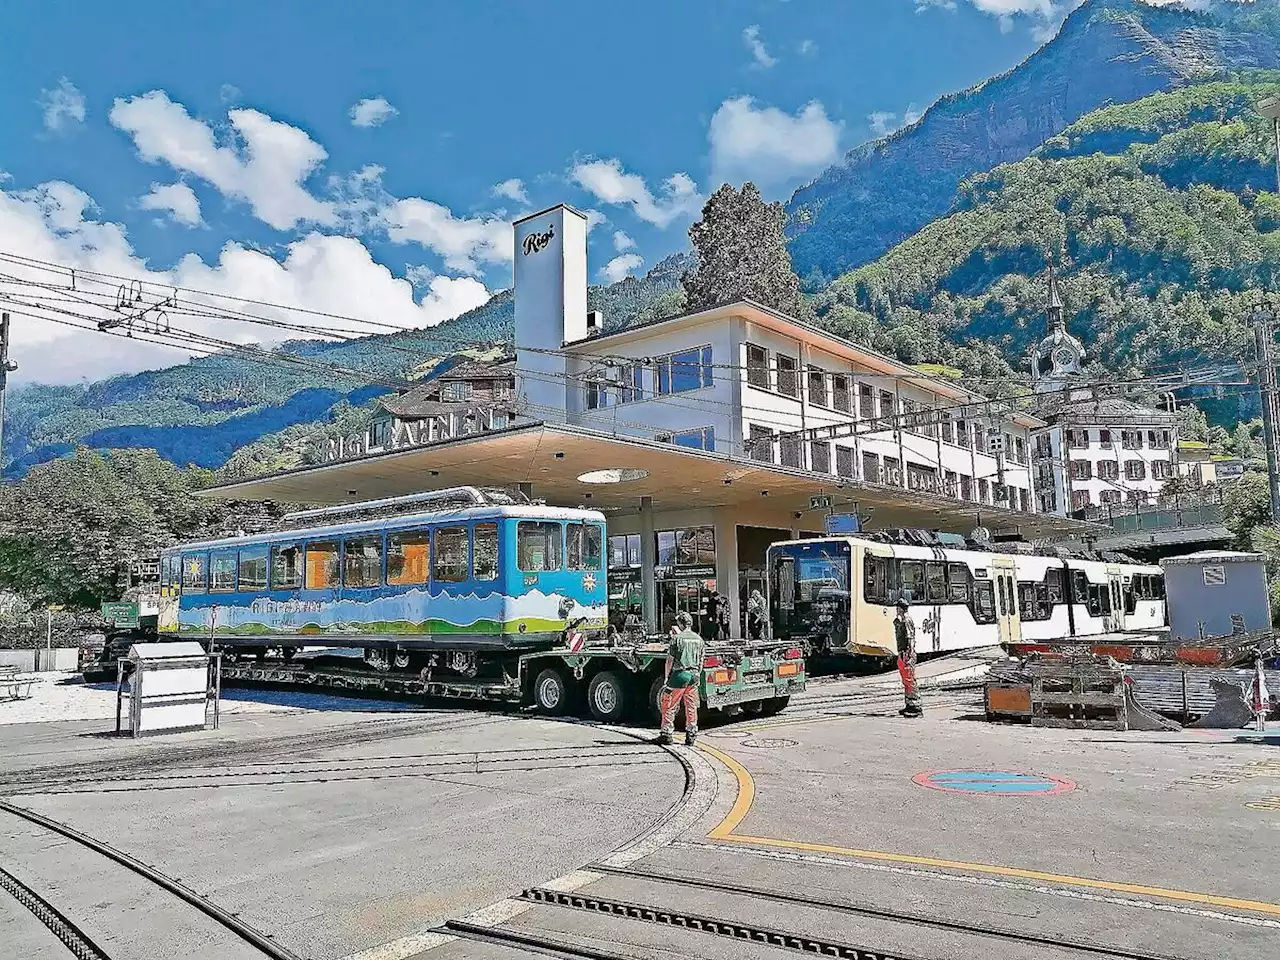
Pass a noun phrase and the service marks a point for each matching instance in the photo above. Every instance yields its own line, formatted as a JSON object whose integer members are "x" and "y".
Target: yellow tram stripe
{"x": 725, "y": 831}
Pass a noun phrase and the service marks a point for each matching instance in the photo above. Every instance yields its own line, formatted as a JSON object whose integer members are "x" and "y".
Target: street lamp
{"x": 1270, "y": 108}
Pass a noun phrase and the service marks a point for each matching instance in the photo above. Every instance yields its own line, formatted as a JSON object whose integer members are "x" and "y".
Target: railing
{"x": 1132, "y": 518}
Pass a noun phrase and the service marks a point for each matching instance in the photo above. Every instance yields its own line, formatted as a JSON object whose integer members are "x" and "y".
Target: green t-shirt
{"x": 687, "y": 651}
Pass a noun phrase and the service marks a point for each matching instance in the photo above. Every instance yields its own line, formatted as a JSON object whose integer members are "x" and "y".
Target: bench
{"x": 13, "y": 685}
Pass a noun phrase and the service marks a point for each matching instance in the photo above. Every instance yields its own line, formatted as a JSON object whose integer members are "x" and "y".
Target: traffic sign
{"x": 820, "y": 503}
{"x": 120, "y": 614}
{"x": 843, "y": 523}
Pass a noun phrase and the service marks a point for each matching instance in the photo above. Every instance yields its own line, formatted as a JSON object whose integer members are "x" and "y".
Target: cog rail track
{"x": 71, "y": 936}
{"x": 251, "y": 935}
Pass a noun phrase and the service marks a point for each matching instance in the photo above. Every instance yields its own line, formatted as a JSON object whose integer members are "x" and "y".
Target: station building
{"x": 702, "y": 437}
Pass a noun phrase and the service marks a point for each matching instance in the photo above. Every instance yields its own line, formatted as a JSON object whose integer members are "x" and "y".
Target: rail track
{"x": 78, "y": 942}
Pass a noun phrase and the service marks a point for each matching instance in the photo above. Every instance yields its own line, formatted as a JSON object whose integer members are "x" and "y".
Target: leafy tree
{"x": 1247, "y": 506}
{"x": 69, "y": 528}
{"x": 742, "y": 254}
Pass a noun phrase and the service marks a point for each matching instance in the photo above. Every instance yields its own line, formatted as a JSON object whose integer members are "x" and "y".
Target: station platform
{"x": 836, "y": 828}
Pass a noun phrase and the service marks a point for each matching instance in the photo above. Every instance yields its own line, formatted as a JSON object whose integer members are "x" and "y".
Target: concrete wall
{"x": 30, "y": 661}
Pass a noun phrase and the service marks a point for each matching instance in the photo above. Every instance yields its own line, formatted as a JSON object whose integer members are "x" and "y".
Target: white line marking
{"x": 976, "y": 881}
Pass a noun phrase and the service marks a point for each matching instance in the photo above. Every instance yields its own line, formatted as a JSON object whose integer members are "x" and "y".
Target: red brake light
{"x": 793, "y": 653}
{"x": 713, "y": 661}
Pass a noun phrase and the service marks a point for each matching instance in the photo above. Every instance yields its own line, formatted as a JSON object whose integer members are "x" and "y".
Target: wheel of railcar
{"x": 402, "y": 660}
{"x": 550, "y": 692}
{"x": 606, "y": 697}
{"x": 377, "y": 659}
{"x": 288, "y": 653}
{"x": 774, "y": 705}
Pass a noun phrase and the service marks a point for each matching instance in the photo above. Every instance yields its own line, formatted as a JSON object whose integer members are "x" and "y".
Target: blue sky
{"x": 321, "y": 152}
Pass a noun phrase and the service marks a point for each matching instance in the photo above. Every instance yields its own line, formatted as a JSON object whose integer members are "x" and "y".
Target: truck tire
{"x": 653, "y": 706}
{"x": 550, "y": 692}
{"x": 774, "y": 705}
{"x": 607, "y": 697}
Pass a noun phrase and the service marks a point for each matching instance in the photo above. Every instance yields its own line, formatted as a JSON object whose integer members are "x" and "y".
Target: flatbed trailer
{"x": 607, "y": 683}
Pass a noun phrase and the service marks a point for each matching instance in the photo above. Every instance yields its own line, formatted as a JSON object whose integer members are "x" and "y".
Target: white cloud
{"x": 176, "y": 199}
{"x": 1049, "y": 12}
{"x": 512, "y": 189}
{"x": 54, "y": 222}
{"x": 265, "y": 165}
{"x": 622, "y": 242}
{"x": 768, "y": 145}
{"x": 882, "y": 123}
{"x": 620, "y": 266}
{"x": 419, "y": 274}
{"x": 609, "y": 183}
{"x": 463, "y": 242}
{"x": 62, "y": 104}
{"x": 807, "y": 48}
{"x": 911, "y": 115}
{"x": 759, "y": 55}
{"x": 594, "y": 219}
{"x": 372, "y": 112}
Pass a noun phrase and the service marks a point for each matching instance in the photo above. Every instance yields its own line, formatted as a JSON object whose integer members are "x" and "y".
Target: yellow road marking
{"x": 725, "y": 831}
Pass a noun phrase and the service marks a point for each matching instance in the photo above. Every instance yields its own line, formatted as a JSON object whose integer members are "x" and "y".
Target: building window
{"x": 844, "y": 462}
{"x": 1132, "y": 439}
{"x": 379, "y": 433}
{"x": 456, "y": 390}
{"x": 703, "y": 438}
{"x": 984, "y": 491}
{"x": 693, "y": 546}
{"x": 1158, "y": 439}
{"x": 760, "y": 444}
{"x": 841, "y": 395}
{"x": 948, "y": 429}
{"x": 1081, "y": 470}
{"x": 1137, "y": 496}
{"x": 818, "y": 387}
{"x": 1109, "y": 497}
{"x": 1108, "y": 470}
{"x": 888, "y": 411}
{"x": 1080, "y": 499}
{"x": 866, "y": 402}
{"x": 1135, "y": 470}
{"x": 950, "y": 484}
{"x": 1160, "y": 470}
{"x": 1024, "y": 500}
{"x": 1019, "y": 450}
{"x": 631, "y": 380}
{"x": 624, "y": 551}
{"x": 683, "y": 371}
{"x": 966, "y": 487}
{"x": 597, "y": 395}
{"x": 910, "y": 421}
{"x": 962, "y": 433}
{"x": 1078, "y": 439}
{"x": 871, "y": 468}
{"x": 788, "y": 385}
{"x": 790, "y": 450}
{"x": 819, "y": 456}
{"x": 757, "y": 366}
{"x": 1104, "y": 439}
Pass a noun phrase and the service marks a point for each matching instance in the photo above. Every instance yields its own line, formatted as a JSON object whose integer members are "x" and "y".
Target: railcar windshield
{"x": 809, "y": 590}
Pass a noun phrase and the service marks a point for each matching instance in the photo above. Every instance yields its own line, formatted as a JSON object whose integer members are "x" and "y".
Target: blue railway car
{"x": 464, "y": 571}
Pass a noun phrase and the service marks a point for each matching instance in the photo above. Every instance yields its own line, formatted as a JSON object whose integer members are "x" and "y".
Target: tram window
{"x": 1130, "y": 599}
{"x": 538, "y": 546}
{"x": 1033, "y": 601}
{"x": 450, "y": 555}
{"x": 875, "y": 576}
{"x": 253, "y": 569}
{"x": 911, "y": 578}
{"x": 958, "y": 582}
{"x": 408, "y": 557}
{"x": 362, "y": 562}
{"x": 195, "y": 567}
{"x": 222, "y": 573}
{"x": 322, "y": 565}
{"x": 170, "y": 570}
{"x": 484, "y": 552}
{"x": 286, "y": 567}
{"x": 1157, "y": 586}
{"x": 936, "y": 574}
{"x": 583, "y": 542}
{"x": 787, "y": 583}
{"x": 1079, "y": 587}
{"x": 1001, "y": 604}
{"x": 1053, "y": 586}
{"x": 984, "y": 601}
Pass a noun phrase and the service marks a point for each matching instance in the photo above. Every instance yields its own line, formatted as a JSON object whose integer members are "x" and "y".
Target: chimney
{"x": 551, "y": 305}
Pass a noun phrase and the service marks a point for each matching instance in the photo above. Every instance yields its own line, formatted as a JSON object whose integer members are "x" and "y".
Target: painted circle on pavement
{"x": 999, "y": 783}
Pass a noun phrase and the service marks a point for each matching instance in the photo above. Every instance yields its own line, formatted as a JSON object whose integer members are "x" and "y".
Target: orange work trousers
{"x": 671, "y": 700}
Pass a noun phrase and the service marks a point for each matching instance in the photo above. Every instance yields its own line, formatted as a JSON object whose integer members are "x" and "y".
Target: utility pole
{"x": 7, "y": 367}
{"x": 1270, "y": 108}
{"x": 1264, "y": 330}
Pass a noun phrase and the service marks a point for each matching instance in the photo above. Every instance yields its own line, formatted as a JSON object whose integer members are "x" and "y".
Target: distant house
{"x": 473, "y": 395}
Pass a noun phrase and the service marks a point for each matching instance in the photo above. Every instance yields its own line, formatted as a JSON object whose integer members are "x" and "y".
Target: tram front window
{"x": 809, "y": 591}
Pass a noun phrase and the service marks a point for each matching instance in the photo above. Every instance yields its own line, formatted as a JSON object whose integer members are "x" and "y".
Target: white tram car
{"x": 838, "y": 594}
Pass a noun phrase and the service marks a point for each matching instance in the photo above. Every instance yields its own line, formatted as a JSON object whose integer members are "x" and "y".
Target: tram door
{"x": 1116, "y": 583}
{"x": 1006, "y": 584}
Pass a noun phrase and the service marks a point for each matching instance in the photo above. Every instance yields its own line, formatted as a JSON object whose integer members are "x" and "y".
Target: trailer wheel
{"x": 774, "y": 705}
{"x": 606, "y": 697}
{"x": 550, "y": 692}
{"x": 653, "y": 706}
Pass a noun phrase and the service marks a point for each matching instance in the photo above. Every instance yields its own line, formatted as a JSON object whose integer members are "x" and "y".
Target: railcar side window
{"x": 1033, "y": 601}
{"x": 484, "y": 561}
{"x": 322, "y": 565}
{"x": 1053, "y": 583}
{"x": 936, "y": 573}
{"x": 958, "y": 579}
{"x": 222, "y": 573}
{"x": 286, "y": 567}
{"x": 984, "y": 601}
{"x": 253, "y": 569}
{"x": 875, "y": 585}
{"x": 538, "y": 547}
{"x": 911, "y": 577}
{"x": 1004, "y": 603}
{"x": 1157, "y": 586}
{"x": 362, "y": 562}
{"x": 195, "y": 568}
{"x": 408, "y": 557}
{"x": 584, "y": 545}
{"x": 171, "y": 571}
{"x": 452, "y": 562}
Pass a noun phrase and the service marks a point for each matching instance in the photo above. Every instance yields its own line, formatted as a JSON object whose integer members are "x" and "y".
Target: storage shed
{"x": 1215, "y": 593}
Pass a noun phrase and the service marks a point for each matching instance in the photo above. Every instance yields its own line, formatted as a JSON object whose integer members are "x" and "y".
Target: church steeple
{"x": 1059, "y": 357}
{"x": 1054, "y": 307}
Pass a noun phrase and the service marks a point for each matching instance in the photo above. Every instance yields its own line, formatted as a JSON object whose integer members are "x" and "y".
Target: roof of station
{"x": 552, "y": 457}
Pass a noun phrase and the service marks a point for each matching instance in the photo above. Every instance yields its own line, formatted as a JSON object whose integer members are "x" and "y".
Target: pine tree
{"x": 742, "y": 255}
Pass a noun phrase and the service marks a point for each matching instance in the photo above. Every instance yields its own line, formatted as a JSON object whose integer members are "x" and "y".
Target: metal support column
{"x": 1265, "y": 331}
{"x": 648, "y": 561}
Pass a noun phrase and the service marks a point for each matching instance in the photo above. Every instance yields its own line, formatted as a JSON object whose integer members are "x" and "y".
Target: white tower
{"x": 551, "y": 305}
